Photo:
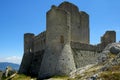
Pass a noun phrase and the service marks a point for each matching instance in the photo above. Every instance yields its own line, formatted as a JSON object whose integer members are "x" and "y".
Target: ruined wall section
{"x": 39, "y": 42}
{"x": 28, "y": 53}
{"x": 58, "y": 58}
{"x": 79, "y": 23}
{"x": 107, "y": 38}
{"x": 39, "y": 49}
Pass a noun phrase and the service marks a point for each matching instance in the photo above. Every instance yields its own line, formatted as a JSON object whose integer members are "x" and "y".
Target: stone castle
{"x": 64, "y": 46}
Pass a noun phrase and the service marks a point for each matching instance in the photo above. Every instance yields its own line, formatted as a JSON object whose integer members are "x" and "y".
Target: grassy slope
{"x": 20, "y": 77}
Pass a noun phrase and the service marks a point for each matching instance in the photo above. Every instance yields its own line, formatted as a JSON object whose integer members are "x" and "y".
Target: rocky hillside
{"x": 106, "y": 68}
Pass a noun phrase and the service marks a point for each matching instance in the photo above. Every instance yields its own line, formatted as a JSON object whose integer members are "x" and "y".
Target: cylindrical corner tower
{"x": 28, "y": 53}
{"x": 58, "y": 57}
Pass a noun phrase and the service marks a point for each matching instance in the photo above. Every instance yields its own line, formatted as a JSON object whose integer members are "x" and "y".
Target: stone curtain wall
{"x": 39, "y": 42}
{"x": 36, "y": 63}
{"x": 84, "y": 54}
{"x": 39, "y": 49}
{"x": 83, "y": 57}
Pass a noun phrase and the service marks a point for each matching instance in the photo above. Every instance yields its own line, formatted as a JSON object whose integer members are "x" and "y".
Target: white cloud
{"x": 13, "y": 59}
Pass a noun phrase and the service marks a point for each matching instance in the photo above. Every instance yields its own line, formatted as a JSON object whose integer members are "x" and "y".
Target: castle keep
{"x": 64, "y": 46}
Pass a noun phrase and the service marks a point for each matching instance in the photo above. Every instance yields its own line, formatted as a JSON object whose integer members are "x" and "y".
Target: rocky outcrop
{"x": 111, "y": 62}
{"x": 108, "y": 59}
{"x": 114, "y": 48}
{"x": 9, "y": 71}
{"x": 80, "y": 71}
{"x": 110, "y": 56}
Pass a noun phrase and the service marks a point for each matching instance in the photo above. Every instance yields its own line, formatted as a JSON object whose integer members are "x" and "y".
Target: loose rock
{"x": 115, "y": 49}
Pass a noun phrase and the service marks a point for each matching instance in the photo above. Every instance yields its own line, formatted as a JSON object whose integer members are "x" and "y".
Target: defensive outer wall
{"x": 64, "y": 46}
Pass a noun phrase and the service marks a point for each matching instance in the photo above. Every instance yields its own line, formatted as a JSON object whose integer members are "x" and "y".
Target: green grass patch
{"x": 61, "y": 78}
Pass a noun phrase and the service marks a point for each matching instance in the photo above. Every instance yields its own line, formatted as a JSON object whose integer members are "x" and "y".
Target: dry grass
{"x": 112, "y": 55}
{"x": 110, "y": 75}
{"x": 113, "y": 73}
{"x": 114, "y": 68}
{"x": 61, "y": 78}
{"x": 20, "y": 77}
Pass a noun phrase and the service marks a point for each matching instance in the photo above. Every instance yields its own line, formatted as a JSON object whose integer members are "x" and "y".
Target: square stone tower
{"x": 79, "y": 23}
{"x": 65, "y": 24}
{"x": 58, "y": 58}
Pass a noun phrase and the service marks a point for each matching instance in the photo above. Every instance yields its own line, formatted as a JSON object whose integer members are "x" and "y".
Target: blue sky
{"x": 22, "y": 16}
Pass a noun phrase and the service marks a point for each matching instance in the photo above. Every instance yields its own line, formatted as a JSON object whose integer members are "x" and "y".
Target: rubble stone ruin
{"x": 64, "y": 46}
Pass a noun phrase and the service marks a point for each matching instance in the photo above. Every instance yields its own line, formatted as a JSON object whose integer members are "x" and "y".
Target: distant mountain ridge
{"x": 14, "y": 66}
